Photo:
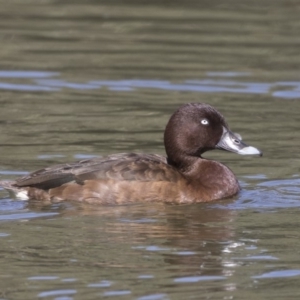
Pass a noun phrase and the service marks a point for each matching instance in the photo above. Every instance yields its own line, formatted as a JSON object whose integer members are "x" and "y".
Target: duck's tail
{"x": 15, "y": 192}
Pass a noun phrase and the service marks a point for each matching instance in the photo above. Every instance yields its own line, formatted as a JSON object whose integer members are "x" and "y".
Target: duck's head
{"x": 195, "y": 128}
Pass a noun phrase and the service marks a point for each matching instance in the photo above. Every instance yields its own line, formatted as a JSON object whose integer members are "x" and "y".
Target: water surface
{"x": 79, "y": 80}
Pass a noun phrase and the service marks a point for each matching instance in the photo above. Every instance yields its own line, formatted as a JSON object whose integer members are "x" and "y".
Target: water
{"x": 79, "y": 80}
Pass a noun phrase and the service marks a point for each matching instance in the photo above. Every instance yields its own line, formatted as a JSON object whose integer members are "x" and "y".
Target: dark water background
{"x": 86, "y": 78}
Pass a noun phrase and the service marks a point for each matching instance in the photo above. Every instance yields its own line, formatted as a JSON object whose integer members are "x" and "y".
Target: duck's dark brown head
{"x": 195, "y": 128}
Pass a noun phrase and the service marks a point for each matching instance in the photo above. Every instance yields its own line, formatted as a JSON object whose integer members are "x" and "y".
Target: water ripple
{"x": 190, "y": 279}
{"x": 28, "y": 215}
{"x": 268, "y": 194}
{"x": 43, "y": 81}
{"x": 57, "y": 293}
{"x": 278, "y": 274}
{"x": 154, "y": 297}
{"x": 116, "y": 293}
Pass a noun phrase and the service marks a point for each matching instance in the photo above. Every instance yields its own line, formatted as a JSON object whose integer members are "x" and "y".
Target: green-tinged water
{"x": 85, "y": 78}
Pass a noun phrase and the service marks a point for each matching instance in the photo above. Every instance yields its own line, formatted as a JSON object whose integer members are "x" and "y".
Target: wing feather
{"x": 125, "y": 166}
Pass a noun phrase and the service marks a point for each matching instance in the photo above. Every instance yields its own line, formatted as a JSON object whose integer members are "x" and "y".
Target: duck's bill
{"x": 233, "y": 142}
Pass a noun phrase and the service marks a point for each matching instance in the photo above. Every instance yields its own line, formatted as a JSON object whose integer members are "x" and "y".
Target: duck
{"x": 182, "y": 176}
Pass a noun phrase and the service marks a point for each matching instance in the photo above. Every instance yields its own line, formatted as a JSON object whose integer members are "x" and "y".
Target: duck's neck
{"x": 185, "y": 164}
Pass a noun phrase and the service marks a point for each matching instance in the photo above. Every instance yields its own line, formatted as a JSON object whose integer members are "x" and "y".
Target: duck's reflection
{"x": 192, "y": 238}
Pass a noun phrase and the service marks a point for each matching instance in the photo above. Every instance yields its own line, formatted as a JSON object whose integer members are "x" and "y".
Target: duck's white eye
{"x": 204, "y": 122}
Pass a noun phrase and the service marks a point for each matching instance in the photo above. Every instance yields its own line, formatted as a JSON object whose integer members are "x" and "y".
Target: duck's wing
{"x": 132, "y": 166}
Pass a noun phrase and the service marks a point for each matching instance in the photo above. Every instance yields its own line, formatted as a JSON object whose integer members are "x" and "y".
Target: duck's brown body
{"x": 183, "y": 177}
{"x": 125, "y": 178}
